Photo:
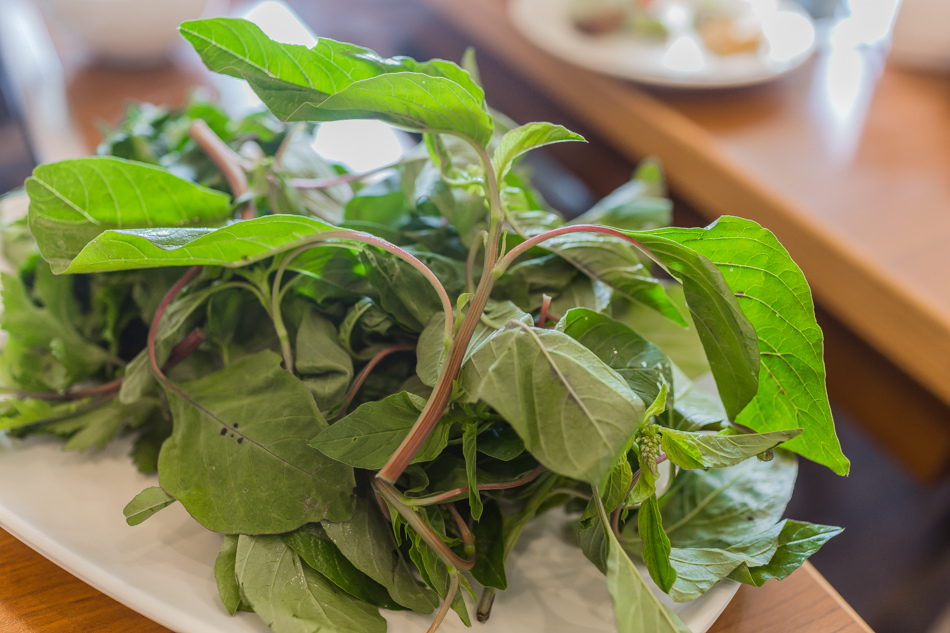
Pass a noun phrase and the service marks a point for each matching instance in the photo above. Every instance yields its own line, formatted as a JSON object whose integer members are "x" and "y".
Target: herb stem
{"x": 159, "y": 313}
{"x": 477, "y": 243}
{"x": 227, "y": 162}
{"x": 545, "y": 306}
{"x": 361, "y": 377}
{"x": 461, "y": 492}
{"x": 342, "y": 179}
{"x": 447, "y": 603}
{"x": 438, "y": 401}
{"x": 531, "y": 242}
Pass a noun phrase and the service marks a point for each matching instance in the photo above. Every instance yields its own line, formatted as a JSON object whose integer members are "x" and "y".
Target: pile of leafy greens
{"x": 370, "y": 383}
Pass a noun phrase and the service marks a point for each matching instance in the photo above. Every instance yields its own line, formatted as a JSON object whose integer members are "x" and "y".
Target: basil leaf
{"x": 726, "y": 333}
{"x": 334, "y": 81}
{"x": 225, "y": 575}
{"x": 489, "y": 534}
{"x": 368, "y": 437}
{"x": 774, "y": 295}
{"x": 237, "y": 244}
{"x": 702, "y": 450}
{"x": 367, "y": 541}
{"x": 324, "y": 366}
{"x": 573, "y": 412}
{"x": 145, "y": 504}
{"x": 525, "y": 138}
{"x": 317, "y": 551}
{"x": 796, "y": 543}
{"x": 239, "y": 460}
{"x": 73, "y": 201}
{"x": 643, "y": 365}
{"x": 637, "y": 205}
{"x": 656, "y": 545}
{"x": 291, "y": 597}
{"x": 725, "y": 506}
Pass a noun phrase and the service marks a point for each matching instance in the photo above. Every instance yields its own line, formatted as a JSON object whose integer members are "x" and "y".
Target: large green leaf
{"x": 367, "y": 541}
{"x": 642, "y": 364}
{"x": 724, "y": 506}
{"x": 236, "y": 244}
{"x": 292, "y": 598}
{"x": 774, "y": 295}
{"x": 334, "y": 81}
{"x": 689, "y": 449}
{"x": 369, "y": 436}
{"x": 73, "y": 201}
{"x": 573, "y": 412}
{"x": 239, "y": 459}
{"x": 726, "y": 333}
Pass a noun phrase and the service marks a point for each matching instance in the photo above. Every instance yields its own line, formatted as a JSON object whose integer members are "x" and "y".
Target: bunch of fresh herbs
{"x": 370, "y": 383}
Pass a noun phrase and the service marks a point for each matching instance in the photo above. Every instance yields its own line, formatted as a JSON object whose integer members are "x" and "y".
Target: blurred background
{"x": 841, "y": 147}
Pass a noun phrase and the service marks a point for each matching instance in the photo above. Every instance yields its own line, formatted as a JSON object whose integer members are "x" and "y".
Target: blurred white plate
{"x": 680, "y": 60}
{"x": 68, "y": 507}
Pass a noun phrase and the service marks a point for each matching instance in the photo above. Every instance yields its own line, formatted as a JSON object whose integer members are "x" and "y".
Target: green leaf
{"x": 593, "y": 544}
{"x": 702, "y": 450}
{"x": 73, "y": 201}
{"x": 239, "y": 460}
{"x": 525, "y": 138}
{"x": 98, "y": 427}
{"x": 726, "y": 333}
{"x": 469, "y": 451}
{"x": 317, "y": 550}
{"x": 489, "y": 534}
{"x": 573, "y": 412}
{"x": 698, "y": 569}
{"x": 367, "y": 541}
{"x": 323, "y": 365}
{"x": 430, "y": 352}
{"x": 636, "y": 607}
{"x": 292, "y": 598}
{"x": 403, "y": 292}
{"x": 796, "y": 543}
{"x": 145, "y": 504}
{"x": 774, "y": 295}
{"x": 643, "y": 365}
{"x": 368, "y": 437}
{"x": 334, "y": 81}
{"x": 656, "y": 545}
{"x": 237, "y": 244}
{"x": 724, "y": 506}
{"x": 225, "y": 575}
{"x": 500, "y": 442}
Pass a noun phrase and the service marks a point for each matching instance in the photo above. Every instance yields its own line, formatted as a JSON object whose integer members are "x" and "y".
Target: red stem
{"x": 530, "y": 243}
{"x": 545, "y": 305}
{"x": 459, "y": 492}
{"x": 361, "y": 377}
{"x": 159, "y": 313}
{"x": 226, "y": 160}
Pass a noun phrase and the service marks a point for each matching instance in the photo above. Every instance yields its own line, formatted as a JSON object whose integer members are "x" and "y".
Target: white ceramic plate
{"x": 678, "y": 61}
{"x": 68, "y": 507}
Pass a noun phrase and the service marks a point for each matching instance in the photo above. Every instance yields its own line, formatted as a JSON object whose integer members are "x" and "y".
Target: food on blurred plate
{"x": 724, "y": 27}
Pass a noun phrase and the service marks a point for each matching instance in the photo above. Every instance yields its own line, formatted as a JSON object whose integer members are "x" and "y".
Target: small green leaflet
{"x": 489, "y": 533}
{"x": 145, "y": 504}
{"x": 290, "y": 597}
{"x": 225, "y": 575}
{"x": 334, "y": 81}
{"x": 469, "y": 450}
{"x": 367, "y": 437}
{"x": 239, "y": 461}
{"x": 573, "y": 412}
{"x": 73, "y": 201}
{"x": 773, "y": 294}
{"x": 797, "y": 542}
{"x": 703, "y": 450}
{"x": 656, "y": 545}
{"x": 525, "y": 138}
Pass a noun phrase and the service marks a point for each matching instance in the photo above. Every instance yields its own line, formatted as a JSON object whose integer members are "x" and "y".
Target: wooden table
{"x": 846, "y": 161}
{"x": 36, "y": 596}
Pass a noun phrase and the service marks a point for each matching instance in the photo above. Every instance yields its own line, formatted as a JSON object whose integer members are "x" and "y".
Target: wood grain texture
{"x": 860, "y": 204}
{"x": 36, "y": 596}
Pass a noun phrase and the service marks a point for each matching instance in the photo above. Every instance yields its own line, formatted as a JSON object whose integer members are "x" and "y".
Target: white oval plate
{"x": 68, "y": 507}
{"x": 678, "y": 61}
